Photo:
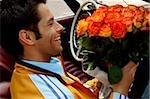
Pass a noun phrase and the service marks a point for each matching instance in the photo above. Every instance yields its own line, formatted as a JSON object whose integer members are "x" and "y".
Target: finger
{"x": 135, "y": 67}
{"x": 130, "y": 65}
{"x": 133, "y": 71}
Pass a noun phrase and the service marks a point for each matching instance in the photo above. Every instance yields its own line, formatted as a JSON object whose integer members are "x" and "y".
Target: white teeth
{"x": 58, "y": 38}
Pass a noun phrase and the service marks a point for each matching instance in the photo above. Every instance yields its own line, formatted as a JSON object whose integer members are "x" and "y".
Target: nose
{"x": 59, "y": 28}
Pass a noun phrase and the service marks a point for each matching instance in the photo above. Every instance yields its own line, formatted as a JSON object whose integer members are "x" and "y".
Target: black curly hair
{"x": 17, "y": 15}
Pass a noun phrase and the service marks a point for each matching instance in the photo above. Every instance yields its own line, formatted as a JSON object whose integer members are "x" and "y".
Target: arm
{"x": 121, "y": 89}
{"x": 127, "y": 79}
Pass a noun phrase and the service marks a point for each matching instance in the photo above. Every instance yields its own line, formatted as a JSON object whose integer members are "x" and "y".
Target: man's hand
{"x": 127, "y": 79}
{"x": 95, "y": 85}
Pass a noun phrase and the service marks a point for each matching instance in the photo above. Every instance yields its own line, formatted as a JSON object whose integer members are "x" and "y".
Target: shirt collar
{"x": 54, "y": 65}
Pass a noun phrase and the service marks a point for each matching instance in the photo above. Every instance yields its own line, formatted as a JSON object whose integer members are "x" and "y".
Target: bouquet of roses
{"x": 112, "y": 36}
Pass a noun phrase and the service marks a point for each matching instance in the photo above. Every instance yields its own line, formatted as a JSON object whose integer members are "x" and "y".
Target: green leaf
{"x": 91, "y": 66}
{"x": 111, "y": 39}
{"x": 88, "y": 43}
{"x": 80, "y": 41}
{"x": 114, "y": 74}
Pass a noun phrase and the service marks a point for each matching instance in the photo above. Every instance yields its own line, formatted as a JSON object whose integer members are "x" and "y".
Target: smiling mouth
{"x": 58, "y": 39}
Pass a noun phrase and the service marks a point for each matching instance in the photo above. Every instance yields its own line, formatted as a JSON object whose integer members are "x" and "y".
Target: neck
{"x": 33, "y": 56}
{"x": 37, "y": 59}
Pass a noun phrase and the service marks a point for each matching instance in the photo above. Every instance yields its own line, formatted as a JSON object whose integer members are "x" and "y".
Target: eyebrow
{"x": 51, "y": 19}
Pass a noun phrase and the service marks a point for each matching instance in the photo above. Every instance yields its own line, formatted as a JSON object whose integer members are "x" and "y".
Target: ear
{"x": 26, "y": 37}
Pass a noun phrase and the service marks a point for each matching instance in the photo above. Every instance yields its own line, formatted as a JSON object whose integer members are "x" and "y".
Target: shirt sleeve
{"x": 117, "y": 95}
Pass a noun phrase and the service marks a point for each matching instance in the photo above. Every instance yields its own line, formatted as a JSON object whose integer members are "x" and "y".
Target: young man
{"x": 30, "y": 33}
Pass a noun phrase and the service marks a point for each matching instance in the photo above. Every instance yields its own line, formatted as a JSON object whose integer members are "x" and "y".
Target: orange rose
{"x": 132, "y": 7}
{"x": 102, "y": 8}
{"x": 98, "y": 16}
{"x": 138, "y": 19}
{"x": 137, "y": 24}
{"x": 129, "y": 24}
{"x": 146, "y": 18}
{"x": 94, "y": 28}
{"x": 141, "y": 8}
{"x": 118, "y": 30}
{"x": 81, "y": 27}
{"x": 89, "y": 19}
{"x": 113, "y": 17}
{"x": 115, "y": 8}
{"x": 127, "y": 13}
{"x": 105, "y": 31}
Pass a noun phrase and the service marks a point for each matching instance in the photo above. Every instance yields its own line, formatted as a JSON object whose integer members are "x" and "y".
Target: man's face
{"x": 50, "y": 30}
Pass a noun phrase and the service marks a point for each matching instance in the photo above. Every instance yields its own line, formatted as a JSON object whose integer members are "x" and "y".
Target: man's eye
{"x": 50, "y": 24}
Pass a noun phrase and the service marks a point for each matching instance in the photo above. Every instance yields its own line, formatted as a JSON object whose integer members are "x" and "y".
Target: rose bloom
{"x": 138, "y": 19}
{"x": 94, "y": 28}
{"x": 113, "y": 17}
{"x": 98, "y": 16}
{"x": 146, "y": 18}
{"x": 81, "y": 27}
{"x": 116, "y": 8}
{"x": 126, "y": 12}
{"x": 89, "y": 19}
{"x": 118, "y": 30}
{"x": 105, "y": 31}
{"x": 103, "y": 8}
{"x": 137, "y": 24}
{"x": 132, "y": 7}
{"x": 141, "y": 8}
{"x": 129, "y": 23}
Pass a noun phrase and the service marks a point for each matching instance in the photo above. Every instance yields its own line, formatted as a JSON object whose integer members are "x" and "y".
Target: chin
{"x": 57, "y": 53}
{"x": 60, "y": 49}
